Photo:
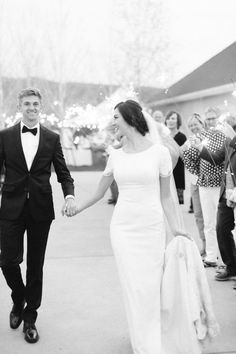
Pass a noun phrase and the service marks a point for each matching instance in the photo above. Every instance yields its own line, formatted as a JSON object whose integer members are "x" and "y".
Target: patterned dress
{"x": 209, "y": 175}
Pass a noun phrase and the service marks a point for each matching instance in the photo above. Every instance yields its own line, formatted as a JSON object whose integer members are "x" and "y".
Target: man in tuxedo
{"x": 27, "y": 151}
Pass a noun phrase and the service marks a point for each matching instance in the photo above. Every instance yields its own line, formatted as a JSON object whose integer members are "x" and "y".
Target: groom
{"x": 27, "y": 151}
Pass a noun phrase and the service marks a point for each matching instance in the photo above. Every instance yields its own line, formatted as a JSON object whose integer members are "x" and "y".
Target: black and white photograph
{"x": 117, "y": 177}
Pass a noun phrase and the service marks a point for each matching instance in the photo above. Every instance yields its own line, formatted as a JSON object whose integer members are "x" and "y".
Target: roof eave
{"x": 213, "y": 91}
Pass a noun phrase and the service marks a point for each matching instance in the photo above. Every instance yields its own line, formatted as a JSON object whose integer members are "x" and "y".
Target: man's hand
{"x": 69, "y": 208}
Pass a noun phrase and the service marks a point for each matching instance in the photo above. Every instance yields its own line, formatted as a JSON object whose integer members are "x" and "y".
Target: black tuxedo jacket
{"x": 226, "y": 154}
{"x": 21, "y": 183}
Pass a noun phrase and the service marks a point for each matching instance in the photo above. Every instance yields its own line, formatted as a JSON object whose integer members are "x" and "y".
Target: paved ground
{"x": 82, "y": 310}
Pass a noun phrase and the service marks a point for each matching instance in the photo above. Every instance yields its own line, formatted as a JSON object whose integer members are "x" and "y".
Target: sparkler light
{"x": 205, "y": 142}
{"x": 234, "y": 93}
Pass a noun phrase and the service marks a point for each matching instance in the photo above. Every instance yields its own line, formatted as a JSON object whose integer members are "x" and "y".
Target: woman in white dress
{"x": 142, "y": 171}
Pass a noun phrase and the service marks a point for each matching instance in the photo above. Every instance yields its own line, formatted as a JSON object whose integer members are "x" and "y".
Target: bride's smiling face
{"x": 120, "y": 124}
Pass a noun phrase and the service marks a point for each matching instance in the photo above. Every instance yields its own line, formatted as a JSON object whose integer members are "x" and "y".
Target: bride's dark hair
{"x": 132, "y": 113}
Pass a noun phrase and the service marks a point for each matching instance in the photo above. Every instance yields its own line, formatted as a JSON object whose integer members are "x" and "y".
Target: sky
{"x": 199, "y": 30}
{"x": 74, "y": 39}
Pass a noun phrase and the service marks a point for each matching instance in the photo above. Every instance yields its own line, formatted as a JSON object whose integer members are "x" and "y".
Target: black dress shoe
{"x": 209, "y": 264}
{"x": 16, "y": 315}
{"x": 31, "y": 333}
{"x": 225, "y": 275}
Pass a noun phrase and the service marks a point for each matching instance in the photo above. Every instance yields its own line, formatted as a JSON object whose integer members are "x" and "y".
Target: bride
{"x": 142, "y": 169}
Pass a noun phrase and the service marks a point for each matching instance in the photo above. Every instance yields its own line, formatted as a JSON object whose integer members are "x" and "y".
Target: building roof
{"x": 220, "y": 70}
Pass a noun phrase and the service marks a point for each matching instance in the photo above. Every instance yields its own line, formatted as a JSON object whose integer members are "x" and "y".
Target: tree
{"x": 139, "y": 42}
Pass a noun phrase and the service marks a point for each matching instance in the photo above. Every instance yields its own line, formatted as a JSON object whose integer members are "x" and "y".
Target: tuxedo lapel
{"x": 18, "y": 145}
{"x": 40, "y": 146}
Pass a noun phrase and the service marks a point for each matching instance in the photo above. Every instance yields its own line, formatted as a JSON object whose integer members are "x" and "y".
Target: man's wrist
{"x": 69, "y": 196}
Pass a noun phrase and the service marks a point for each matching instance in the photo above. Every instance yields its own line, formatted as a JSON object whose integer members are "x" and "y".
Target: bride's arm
{"x": 103, "y": 186}
{"x": 170, "y": 207}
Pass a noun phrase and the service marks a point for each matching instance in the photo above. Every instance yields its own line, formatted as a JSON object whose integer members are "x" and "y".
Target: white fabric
{"x": 158, "y": 134}
{"x": 193, "y": 178}
{"x": 138, "y": 235}
{"x": 154, "y": 134}
{"x": 209, "y": 197}
{"x": 231, "y": 194}
{"x": 30, "y": 144}
{"x": 138, "y": 240}
{"x": 187, "y": 317}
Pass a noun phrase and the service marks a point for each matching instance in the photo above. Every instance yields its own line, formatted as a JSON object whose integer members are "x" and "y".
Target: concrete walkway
{"x": 82, "y": 310}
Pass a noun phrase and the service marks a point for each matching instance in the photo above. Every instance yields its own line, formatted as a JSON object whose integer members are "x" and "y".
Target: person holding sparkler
{"x": 227, "y": 201}
{"x": 209, "y": 180}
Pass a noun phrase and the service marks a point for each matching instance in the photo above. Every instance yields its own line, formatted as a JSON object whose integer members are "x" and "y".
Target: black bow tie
{"x": 33, "y": 131}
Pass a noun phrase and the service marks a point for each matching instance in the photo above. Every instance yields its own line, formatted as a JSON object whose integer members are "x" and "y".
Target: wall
{"x": 199, "y": 105}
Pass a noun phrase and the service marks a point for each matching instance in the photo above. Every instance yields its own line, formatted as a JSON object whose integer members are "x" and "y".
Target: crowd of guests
{"x": 209, "y": 154}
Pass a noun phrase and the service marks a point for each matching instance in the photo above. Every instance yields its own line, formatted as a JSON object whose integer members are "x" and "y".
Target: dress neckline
{"x": 138, "y": 152}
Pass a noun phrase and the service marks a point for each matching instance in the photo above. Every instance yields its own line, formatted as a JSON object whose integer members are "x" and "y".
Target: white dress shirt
{"x": 30, "y": 144}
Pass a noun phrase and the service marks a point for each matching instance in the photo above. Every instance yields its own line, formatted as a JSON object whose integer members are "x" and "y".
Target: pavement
{"x": 82, "y": 310}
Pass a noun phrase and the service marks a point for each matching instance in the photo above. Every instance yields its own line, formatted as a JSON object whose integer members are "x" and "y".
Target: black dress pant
{"x": 12, "y": 248}
{"x": 225, "y": 226}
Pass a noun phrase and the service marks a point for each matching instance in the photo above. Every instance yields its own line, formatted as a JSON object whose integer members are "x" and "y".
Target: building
{"x": 211, "y": 84}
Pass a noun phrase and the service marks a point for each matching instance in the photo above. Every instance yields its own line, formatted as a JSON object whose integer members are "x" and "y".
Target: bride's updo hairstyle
{"x": 132, "y": 113}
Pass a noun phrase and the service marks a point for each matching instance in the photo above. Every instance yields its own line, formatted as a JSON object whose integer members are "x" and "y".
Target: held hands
{"x": 69, "y": 208}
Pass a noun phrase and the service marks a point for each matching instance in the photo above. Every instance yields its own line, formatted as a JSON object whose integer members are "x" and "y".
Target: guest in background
{"x": 209, "y": 181}
{"x": 173, "y": 121}
{"x": 227, "y": 201}
{"x": 115, "y": 142}
{"x": 196, "y": 125}
{"x": 191, "y": 206}
{"x": 158, "y": 116}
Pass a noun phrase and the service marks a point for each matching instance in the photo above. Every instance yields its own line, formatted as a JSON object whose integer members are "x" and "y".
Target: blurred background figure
{"x": 212, "y": 115}
{"x": 196, "y": 125}
{"x": 115, "y": 142}
{"x": 158, "y": 116}
{"x": 173, "y": 122}
{"x": 191, "y": 206}
{"x": 227, "y": 195}
{"x": 209, "y": 181}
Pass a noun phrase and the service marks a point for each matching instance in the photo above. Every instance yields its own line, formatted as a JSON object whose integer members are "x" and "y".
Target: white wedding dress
{"x": 138, "y": 236}
{"x": 138, "y": 240}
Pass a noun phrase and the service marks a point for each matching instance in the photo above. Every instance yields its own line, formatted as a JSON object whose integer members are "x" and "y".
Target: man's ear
{"x": 18, "y": 106}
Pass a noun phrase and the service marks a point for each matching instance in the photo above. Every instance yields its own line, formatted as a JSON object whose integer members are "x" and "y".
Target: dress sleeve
{"x": 192, "y": 160}
{"x": 109, "y": 166}
{"x": 165, "y": 162}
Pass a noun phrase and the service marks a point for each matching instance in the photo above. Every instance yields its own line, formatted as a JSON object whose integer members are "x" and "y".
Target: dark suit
{"x": 27, "y": 205}
{"x": 225, "y": 214}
